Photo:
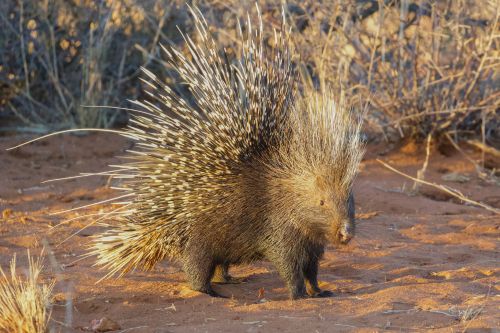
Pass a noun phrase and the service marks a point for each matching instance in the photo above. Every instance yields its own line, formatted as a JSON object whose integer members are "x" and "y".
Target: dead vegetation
{"x": 425, "y": 67}
{"x": 446, "y": 189}
{"x": 24, "y": 300}
{"x": 57, "y": 57}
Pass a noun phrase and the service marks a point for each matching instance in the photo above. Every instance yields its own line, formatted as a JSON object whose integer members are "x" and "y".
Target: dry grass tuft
{"x": 426, "y": 67}
{"x": 24, "y": 301}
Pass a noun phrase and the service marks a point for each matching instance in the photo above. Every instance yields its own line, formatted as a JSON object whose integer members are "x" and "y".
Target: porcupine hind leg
{"x": 199, "y": 270}
{"x": 222, "y": 275}
{"x": 311, "y": 274}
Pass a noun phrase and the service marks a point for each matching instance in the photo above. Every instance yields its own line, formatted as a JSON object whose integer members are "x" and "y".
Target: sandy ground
{"x": 418, "y": 263}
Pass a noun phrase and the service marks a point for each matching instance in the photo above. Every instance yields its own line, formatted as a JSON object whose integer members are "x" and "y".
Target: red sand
{"x": 418, "y": 263}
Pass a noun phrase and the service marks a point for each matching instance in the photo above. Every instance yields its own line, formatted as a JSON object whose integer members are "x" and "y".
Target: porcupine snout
{"x": 346, "y": 232}
{"x": 348, "y": 226}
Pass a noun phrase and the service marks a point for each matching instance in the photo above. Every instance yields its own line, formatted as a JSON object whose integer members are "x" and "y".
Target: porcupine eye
{"x": 322, "y": 202}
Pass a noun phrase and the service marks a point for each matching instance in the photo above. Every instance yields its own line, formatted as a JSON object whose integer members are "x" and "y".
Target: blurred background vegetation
{"x": 427, "y": 68}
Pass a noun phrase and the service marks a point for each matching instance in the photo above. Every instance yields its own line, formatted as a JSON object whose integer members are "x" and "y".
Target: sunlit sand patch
{"x": 429, "y": 235}
{"x": 467, "y": 273}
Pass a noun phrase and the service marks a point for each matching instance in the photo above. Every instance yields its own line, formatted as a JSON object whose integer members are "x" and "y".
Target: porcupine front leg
{"x": 294, "y": 278}
{"x": 291, "y": 272}
{"x": 311, "y": 275}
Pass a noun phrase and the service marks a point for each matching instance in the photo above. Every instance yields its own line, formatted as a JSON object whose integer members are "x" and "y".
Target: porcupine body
{"x": 240, "y": 171}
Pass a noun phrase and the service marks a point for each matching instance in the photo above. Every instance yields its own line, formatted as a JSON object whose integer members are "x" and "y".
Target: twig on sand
{"x": 481, "y": 171}
{"x": 132, "y": 328}
{"x": 366, "y": 216}
{"x": 485, "y": 148}
{"x": 449, "y": 190}
{"x": 421, "y": 172}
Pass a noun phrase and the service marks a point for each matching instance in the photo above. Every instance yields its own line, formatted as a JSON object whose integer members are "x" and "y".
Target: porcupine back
{"x": 187, "y": 164}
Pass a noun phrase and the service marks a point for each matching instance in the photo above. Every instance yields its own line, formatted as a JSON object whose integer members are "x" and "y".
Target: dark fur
{"x": 252, "y": 228}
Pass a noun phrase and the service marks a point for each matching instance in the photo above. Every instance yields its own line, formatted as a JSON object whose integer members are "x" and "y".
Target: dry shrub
{"x": 436, "y": 73}
{"x": 425, "y": 66}
{"x": 24, "y": 301}
{"x": 56, "y": 57}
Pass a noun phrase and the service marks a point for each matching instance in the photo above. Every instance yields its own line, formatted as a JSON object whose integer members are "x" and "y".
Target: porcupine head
{"x": 317, "y": 163}
{"x": 241, "y": 169}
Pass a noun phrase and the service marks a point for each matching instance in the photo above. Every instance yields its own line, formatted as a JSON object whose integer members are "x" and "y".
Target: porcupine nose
{"x": 346, "y": 233}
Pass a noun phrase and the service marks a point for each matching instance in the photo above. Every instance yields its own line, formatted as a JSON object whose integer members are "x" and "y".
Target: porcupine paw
{"x": 298, "y": 293}
{"x": 213, "y": 293}
{"x": 295, "y": 296}
{"x": 190, "y": 291}
{"x": 228, "y": 279}
{"x": 322, "y": 293}
{"x": 206, "y": 289}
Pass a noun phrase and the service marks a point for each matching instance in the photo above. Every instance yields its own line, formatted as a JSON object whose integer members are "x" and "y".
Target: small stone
{"x": 6, "y": 213}
{"x": 104, "y": 325}
{"x": 455, "y": 177}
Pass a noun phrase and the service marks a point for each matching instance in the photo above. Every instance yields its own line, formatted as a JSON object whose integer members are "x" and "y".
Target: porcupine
{"x": 241, "y": 170}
